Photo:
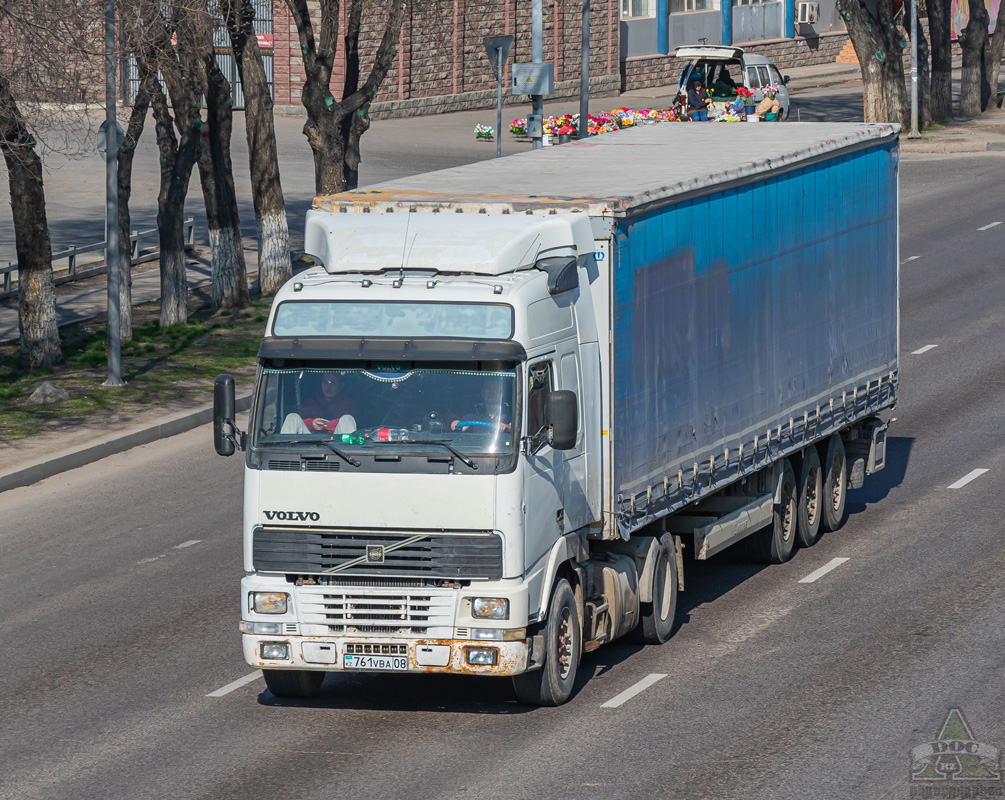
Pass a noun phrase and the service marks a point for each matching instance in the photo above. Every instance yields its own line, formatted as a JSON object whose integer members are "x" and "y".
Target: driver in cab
{"x": 491, "y": 412}
{"x": 326, "y": 411}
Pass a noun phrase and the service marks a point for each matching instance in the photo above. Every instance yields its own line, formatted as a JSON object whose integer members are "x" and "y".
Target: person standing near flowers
{"x": 697, "y": 103}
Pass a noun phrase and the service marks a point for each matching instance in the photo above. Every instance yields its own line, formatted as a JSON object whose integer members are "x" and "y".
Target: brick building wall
{"x": 441, "y": 64}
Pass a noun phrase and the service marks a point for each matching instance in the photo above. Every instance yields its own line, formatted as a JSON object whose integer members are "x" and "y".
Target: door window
{"x": 753, "y": 79}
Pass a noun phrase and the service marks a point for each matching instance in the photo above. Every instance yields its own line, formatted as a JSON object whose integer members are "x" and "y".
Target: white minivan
{"x": 751, "y": 69}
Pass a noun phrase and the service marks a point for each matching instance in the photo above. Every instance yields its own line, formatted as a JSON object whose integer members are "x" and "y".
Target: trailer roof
{"x": 618, "y": 172}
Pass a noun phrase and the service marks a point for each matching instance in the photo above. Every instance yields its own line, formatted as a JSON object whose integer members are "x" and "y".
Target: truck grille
{"x": 305, "y": 551}
{"x": 420, "y": 614}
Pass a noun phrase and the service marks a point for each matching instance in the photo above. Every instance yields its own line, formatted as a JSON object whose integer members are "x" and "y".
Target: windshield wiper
{"x": 344, "y": 456}
{"x": 467, "y": 461}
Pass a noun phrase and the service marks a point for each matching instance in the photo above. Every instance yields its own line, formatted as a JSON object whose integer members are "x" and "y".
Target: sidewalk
{"x": 39, "y": 457}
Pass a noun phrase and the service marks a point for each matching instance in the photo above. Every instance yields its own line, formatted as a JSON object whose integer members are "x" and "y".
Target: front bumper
{"x": 513, "y": 657}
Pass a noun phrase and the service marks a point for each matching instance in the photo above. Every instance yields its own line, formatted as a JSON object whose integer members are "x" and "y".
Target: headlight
{"x": 275, "y": 651}
{"x": 482, "y": 656}
{"x": 490, "y": 607}
{"x": 269, "y": 602}
{"x": 261, "y": 628}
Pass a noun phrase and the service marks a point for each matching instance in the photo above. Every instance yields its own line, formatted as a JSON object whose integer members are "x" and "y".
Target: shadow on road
{"x": 878, "y": 486}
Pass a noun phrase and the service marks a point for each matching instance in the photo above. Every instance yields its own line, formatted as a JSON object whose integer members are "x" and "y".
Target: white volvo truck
{"x": 511, "y": 400}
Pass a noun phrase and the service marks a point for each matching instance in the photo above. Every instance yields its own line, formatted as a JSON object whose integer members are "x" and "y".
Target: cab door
{"x": 544, "y": 468}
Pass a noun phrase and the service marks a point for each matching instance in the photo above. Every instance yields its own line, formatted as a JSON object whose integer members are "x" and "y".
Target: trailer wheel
{"x": 293, "y": 682}
{"x": 775, "y": 543}
{"x": 552, "y": 684}
{"x": 810, "y": 498}
{"x": 835, "y": 467}
{"x": 659, "y": 616}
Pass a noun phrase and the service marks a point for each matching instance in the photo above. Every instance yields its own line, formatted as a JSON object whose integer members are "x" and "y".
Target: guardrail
{"x": 138, "y": 254}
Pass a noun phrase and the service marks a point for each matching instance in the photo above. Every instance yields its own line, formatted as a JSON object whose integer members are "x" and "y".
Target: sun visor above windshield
{"x": 484, "y": 244}
{"x": 319, "y": 348}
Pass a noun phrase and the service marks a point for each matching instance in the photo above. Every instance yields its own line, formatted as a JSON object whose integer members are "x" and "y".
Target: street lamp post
{"x": 112, "y": 203}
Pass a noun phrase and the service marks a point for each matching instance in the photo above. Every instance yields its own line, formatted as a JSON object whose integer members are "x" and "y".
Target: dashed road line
{"x": 254, "y": 676}
{"x": 631, "y": 691}
{"x": 187, "y": 544}
{"x": 910, "y": 258}
{"x": 924, "y": 349}
{"x": 966, "y": 479}
{"x": 991, "y": 225}
{"x": 817, "y": 574}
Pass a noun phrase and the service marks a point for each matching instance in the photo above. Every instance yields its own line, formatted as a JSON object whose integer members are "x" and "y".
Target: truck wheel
{"x": 774, "y": 543}
{"x": 293, "y": 682}
{"x": 833, "y": 509}
{"x": 810, "y": 496}
{"x": 658, "y": 617}
{"x": 551, "y": 685}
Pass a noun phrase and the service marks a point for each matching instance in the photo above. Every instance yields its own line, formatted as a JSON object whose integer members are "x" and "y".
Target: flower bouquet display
{"x": 518, "y": 127}
{"x": 748, "y": 98}
{"x": 484, "y": 132}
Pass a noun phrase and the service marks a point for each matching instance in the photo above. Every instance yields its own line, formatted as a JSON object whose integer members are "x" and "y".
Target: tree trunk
{"x": 177, "y": 160}
{"x": 324, "y": 135}
{"x": 274, "y": 267}
{"x": 137, "y": 119}
{"x": 230, "y": 281}
{"x": 924, "y": 76}
{"x": 36, "y": 288}
{"x": 879, "y": 47}
{"x": 993, "y": 56}
{"x": 973, "y": 39}
{"x": 942, "y": 59}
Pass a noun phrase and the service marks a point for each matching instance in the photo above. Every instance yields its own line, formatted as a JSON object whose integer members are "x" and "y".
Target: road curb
{"x": 102, "y": 448}
{"x": 950, "y": 147}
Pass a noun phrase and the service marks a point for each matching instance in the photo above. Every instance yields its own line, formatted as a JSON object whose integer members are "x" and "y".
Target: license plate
{"x": 379, "y": 663}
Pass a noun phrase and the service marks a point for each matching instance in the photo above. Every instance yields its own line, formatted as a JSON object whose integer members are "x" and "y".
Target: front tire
{"x": 810, "y": 498}
{"x": 552, "y": 684}
{"x": 658, "y": 617}
{"x": 835, "y": 465}
{"x": 293, "y": 683}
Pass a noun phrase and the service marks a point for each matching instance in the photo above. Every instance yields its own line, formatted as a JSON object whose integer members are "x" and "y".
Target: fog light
{"x": 490, "y": 607}
{"x": 482, "y": 656}
{"x": 261, "y": 628}
{"x": 276, "y": 651}
{"x": 269, "y": 602}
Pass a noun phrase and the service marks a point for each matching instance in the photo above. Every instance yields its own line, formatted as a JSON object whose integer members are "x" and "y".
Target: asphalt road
{"x": 120, "y": 612}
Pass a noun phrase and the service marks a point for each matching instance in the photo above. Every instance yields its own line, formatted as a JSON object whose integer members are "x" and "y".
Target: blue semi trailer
{"x": 554, "y": 375}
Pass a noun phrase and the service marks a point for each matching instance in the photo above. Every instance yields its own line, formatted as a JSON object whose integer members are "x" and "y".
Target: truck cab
{"x": 418, "y": 522}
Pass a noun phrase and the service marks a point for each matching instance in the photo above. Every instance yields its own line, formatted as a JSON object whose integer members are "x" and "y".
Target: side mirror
{"x": 786, "y": 79}
{"x": 223, "y": 415}
{"x": 563, "y": 416}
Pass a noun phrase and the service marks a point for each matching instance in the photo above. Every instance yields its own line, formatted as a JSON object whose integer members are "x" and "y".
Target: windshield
{"x": 388, "y": 408}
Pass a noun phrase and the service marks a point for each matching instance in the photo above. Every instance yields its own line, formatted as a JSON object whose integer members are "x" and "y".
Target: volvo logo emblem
{"x": 375, "y": 554}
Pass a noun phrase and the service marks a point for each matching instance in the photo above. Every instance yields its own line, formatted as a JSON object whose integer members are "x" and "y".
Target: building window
{"x": 638, "y": 8}
{"x": 750, "y": 2}
{"x": 682, "y": 6}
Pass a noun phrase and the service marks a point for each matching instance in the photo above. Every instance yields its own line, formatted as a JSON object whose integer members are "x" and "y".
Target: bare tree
{"x": 137, "y": 119}
{"x": 274, "y": 267}
{"x": 216, "y": 173}
{"x": 879, "y": 46}
{"x": 36, "y": 288}
{"x": 38, "y": 84}
{"x": 333, "y": 129}
{"x": 940, "y": 31}
{"x": 973, "y": 39}
{"x": 156, "y": 25}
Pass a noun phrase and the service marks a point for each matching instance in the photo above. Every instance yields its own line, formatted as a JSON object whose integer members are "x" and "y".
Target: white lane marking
{"x": 989, "y": 226}
{"x": 966, "y": 479}
{"x": 817, "y": 574}
{"x": 254, "y": 676}
{"x": 148, "y": 560}
{"x": 910, "y": 258}
{"x": 924, "y": 349}
{"x": 187, "y": 544}
{"x": 631, "y": 691}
